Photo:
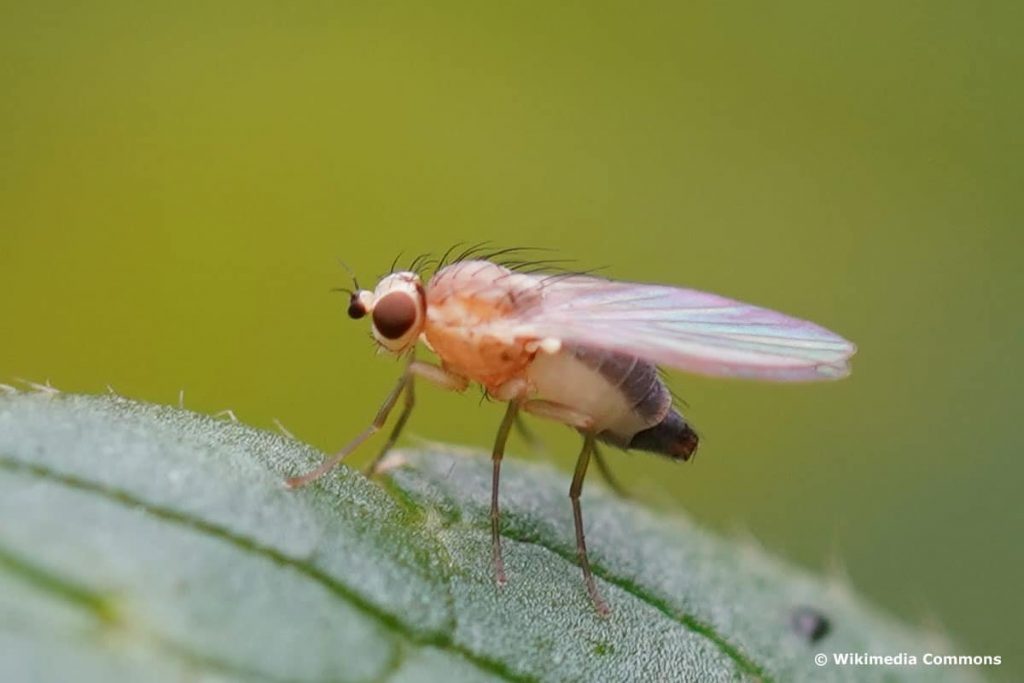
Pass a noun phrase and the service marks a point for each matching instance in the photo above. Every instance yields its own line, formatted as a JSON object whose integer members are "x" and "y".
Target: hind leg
{"x": 584, "y": 423}
{"x": 606, "y": 473}
{"x": 575, "y": 490}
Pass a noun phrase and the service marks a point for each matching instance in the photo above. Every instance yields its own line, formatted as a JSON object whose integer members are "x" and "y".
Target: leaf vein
{"x": 440, "y": 640}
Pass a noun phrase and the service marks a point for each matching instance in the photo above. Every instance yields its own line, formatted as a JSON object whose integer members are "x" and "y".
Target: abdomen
{"x": 629, "y": 403}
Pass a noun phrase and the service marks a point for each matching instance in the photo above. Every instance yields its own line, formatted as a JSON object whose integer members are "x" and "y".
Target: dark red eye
{"x": 394, "y": 315}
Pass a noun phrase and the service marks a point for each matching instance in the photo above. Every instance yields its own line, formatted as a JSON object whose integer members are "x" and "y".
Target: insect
{"x": 577, "y": 349}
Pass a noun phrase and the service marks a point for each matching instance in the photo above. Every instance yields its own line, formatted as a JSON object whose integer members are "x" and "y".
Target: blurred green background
{"x": 178, "y": 180}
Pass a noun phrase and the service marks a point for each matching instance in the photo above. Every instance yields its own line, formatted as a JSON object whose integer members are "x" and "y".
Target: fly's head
{"x": 396, "y": 308}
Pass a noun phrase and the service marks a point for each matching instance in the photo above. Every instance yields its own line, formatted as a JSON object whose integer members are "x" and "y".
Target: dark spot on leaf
{"x": 809, "y": 624}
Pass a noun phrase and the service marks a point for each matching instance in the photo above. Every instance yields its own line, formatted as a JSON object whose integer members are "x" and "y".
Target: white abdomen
{"x": 622, "y": 395}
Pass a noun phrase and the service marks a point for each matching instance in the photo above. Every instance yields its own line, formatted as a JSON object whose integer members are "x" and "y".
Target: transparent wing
{"x": 682, "y": 328}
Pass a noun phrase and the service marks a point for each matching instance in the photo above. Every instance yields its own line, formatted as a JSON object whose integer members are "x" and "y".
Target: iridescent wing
{"x": 680, "y": 328}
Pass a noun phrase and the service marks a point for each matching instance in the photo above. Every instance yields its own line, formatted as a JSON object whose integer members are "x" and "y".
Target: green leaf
{"x": 141, "y": 542}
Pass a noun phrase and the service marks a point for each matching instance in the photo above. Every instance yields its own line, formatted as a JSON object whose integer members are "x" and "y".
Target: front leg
{"x": 415, "y": 368}
{"x": 396, "y": 431}
{"x": 433, "y": 374}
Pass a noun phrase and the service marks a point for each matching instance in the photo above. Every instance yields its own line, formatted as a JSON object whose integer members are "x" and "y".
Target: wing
{"x": 681, "y": 328}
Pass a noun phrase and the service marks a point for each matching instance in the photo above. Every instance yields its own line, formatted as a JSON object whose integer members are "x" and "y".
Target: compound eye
{"x": 394, "y": 315}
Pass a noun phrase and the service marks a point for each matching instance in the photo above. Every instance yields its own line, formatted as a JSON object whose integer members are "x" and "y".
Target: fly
{"x": 580, "y": 350}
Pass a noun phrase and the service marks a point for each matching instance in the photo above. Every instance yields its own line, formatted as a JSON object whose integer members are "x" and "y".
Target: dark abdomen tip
{"x": 673, "y": 437}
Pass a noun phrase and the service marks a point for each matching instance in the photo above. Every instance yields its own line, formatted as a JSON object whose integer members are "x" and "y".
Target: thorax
{"x": 462, "y": 301}
{"x": 623, "y": 394}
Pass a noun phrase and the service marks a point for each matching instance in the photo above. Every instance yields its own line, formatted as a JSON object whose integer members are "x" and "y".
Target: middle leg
{"x": 497, "y": 454}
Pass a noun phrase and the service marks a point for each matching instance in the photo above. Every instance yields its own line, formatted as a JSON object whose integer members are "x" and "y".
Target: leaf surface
{"x": 141, "y": 542}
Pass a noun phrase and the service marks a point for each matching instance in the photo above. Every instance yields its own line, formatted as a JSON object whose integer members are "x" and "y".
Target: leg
{"x": 606, "y": 474}
{"x": 396, "y": 431}
{"x": 585, "y": 424}
{"x": 415, "y": 368}
{"x": 378, "y": 422}
{"x": 438, "y": 376}
{"x": 602, "y": 465}
{"x": 529, "y": 436}
{"x": 496, "y": 456}
{"x": 559, "y": 413}
{"x": 577, "y": 515}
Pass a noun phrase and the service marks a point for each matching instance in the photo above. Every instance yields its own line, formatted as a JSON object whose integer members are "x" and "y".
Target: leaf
{"x": 140, "y": 542}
